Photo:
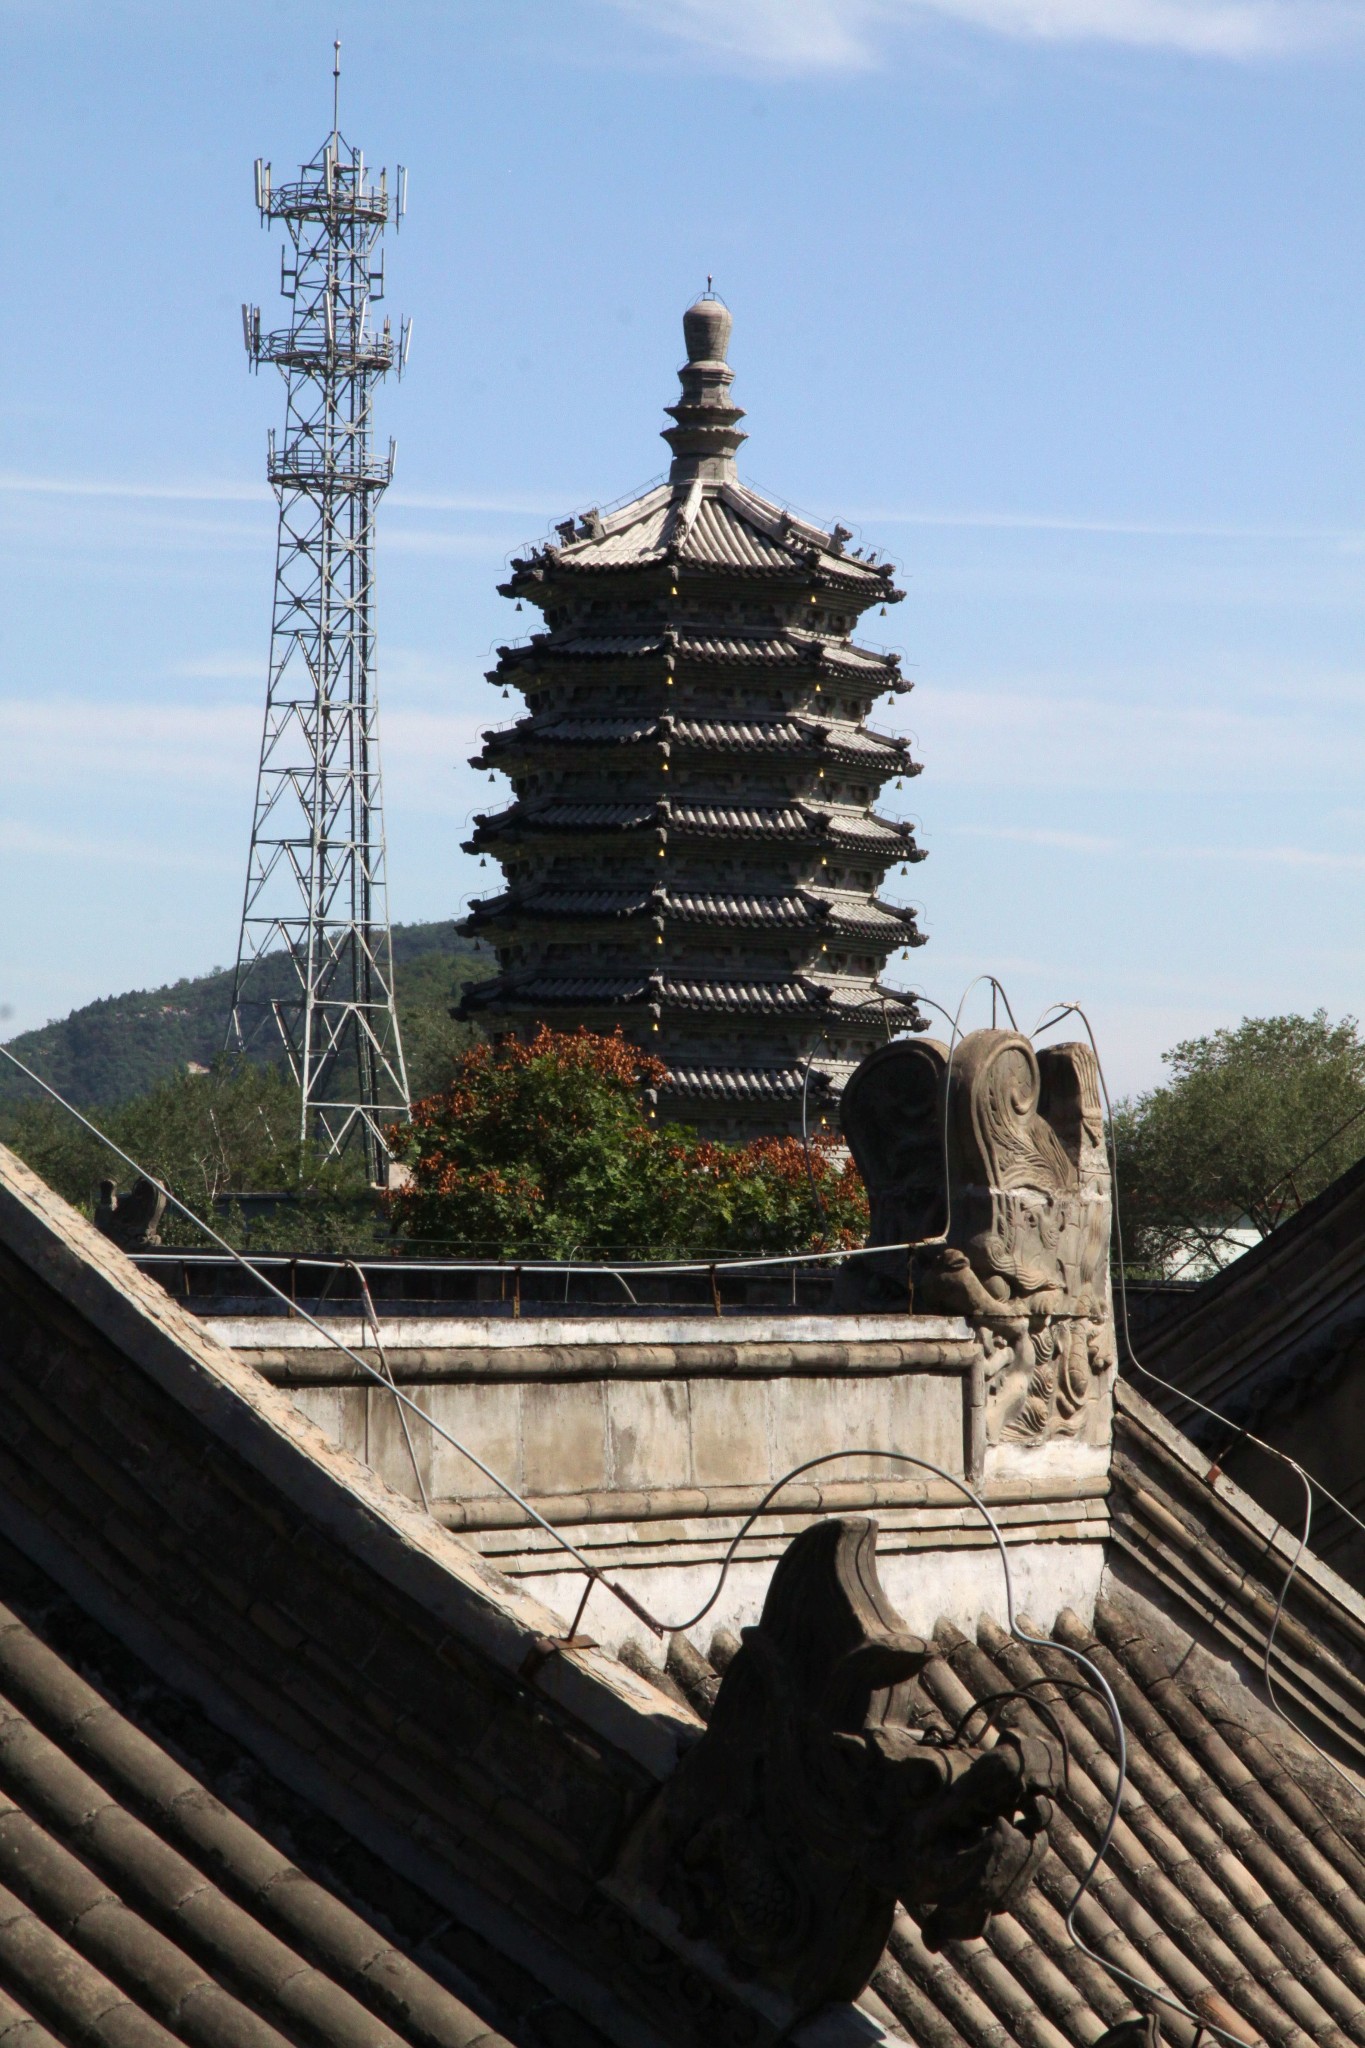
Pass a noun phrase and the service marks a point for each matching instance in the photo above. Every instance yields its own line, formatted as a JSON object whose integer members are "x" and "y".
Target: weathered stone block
{"x": 730, "y": 1431}
{"x": 649, "y": 1424}
{"x": 563, "y": 1438}
{"x": 486, "y": 1418}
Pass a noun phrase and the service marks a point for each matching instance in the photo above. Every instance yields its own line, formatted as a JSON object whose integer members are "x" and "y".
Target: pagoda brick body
{"x": 692, "y": 851}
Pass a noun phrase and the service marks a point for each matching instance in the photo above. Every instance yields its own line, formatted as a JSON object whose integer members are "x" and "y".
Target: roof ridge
{"x": 380, "y": 1529}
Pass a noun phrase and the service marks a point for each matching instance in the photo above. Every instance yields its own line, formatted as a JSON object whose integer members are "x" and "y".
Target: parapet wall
{"x": 649, "y": 1445}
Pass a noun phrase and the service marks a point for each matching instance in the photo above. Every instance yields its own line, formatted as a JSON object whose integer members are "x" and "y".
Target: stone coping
{"x": 288, "y": 1349}
{"x": 464, "y": 1332}
{"x": 690, "y": 1508}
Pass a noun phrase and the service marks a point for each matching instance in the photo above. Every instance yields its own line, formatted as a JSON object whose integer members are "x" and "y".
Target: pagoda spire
{"x": 707, "y": 431}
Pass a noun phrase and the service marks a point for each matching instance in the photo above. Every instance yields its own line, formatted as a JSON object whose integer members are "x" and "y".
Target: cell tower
{"x": 315, "y": 960}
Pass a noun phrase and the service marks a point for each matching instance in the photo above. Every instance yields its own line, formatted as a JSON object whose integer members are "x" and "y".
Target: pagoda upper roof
{"x": 702, "y": 516}
{"x": 711, "y": 523}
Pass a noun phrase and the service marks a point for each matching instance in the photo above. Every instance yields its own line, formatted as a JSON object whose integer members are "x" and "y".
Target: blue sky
{"x": 1057, "y": 302}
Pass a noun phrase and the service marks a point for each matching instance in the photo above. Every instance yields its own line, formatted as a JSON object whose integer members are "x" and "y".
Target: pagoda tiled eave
{"x": 803, "y": 910}
{"x": 805, "y": 653}
{"x": 768, "y": 1088}
{"x": 802, "y": 823}
{"x": 850, "y": 1002}
{"x": 691, "y": 848}
{"x": 706, "y": 534}
{"x": 551, "y": 737}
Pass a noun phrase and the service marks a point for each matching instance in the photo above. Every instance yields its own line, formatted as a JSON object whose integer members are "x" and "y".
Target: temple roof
{"x": 802, "y": 909}
{"x": 799, "y": 734}
{"x": 788, "y": 648}
{"x": 242, "y": 1681}
{"x": 794, "y": 995}
{"x": 722, "y": 525}
{"x": 844, "y": 827}
{"x": 1236, "y": 1875}
{"x": 183, "y": 1909}
{"x": 257, "y": 1712}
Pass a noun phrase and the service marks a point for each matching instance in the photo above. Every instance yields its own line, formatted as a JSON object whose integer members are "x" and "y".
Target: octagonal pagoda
{"x": 691, "y": 851}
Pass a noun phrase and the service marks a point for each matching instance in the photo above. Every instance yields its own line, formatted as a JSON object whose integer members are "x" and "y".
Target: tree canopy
{"x": 1252, "y": 1123}
{"x": 547, "y": 1149}
{"x": 210, "y": 1136}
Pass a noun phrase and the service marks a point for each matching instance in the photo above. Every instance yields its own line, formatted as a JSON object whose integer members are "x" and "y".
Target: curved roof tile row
{"x": 789, "y": 821}
{"x": 796, "y": 735}
{"x": 797, "y": 909}
{"x": 719, "y": 524}
{"x": 784, "y": 648}
{"x": 794, "y": 994}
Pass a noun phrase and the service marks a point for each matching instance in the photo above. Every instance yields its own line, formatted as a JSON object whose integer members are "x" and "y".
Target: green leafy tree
{"x": 1252, "y": 1123}
{"x": 210, "y": 1137}
{"x": 547, "y": 1149}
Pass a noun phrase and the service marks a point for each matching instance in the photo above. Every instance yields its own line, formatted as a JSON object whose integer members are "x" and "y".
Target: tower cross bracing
{"x": 315, "y": 959}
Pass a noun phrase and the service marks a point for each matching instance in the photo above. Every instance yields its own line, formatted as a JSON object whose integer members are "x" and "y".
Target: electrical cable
{"x": 373, "y": 1320}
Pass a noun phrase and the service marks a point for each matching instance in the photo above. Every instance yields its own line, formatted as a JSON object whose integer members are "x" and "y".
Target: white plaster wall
{"x": 925, "y": 1586}
{"x": 595, "y": 1436}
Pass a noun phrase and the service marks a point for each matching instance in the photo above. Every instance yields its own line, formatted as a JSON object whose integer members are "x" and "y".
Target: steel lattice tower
{"x": 315, "y": 960}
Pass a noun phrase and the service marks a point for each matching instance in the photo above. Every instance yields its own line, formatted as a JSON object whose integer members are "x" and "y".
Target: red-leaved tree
{"x": 546, "y": 1149}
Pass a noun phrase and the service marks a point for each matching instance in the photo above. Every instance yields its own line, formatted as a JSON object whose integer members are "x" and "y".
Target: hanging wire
{"x": 373, "y": 1320}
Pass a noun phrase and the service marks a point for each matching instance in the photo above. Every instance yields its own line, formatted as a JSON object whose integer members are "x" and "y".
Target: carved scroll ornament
{"x": 811, "y": 1806}
{"x": 993, "y": 1166}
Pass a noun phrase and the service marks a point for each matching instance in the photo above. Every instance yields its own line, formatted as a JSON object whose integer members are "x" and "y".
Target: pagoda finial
{"x": 707, "y": 431}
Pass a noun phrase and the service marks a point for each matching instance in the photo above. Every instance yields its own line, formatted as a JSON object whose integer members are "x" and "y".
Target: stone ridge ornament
{"x": 811, "y": 1806}
{"x": 992, "y": 1165}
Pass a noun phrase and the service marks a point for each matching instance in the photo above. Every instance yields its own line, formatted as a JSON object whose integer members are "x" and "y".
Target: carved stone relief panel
{"x": 989, "y": 1186}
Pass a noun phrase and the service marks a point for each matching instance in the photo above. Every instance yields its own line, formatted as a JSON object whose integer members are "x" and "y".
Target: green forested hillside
{"x": 121, "y": 1046}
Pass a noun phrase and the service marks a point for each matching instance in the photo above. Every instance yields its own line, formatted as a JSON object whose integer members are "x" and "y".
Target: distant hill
{"x": 120, "y": 1046}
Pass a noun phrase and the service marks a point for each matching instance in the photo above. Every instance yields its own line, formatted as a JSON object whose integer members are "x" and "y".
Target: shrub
{"x": 547, "y": 1149}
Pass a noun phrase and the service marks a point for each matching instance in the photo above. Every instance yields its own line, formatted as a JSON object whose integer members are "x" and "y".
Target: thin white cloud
{"x": 35, "y": 842}
{"x": 1210, "y": 28}
{"x": 1029, "y": 835}
{"x": 14, "y": 484}
{"x": 1167, "y": 737}
{"x": 221, "y": 668}
{"x": 529, "y": 504}
{"x": 1236, "y": 856}
{"x": 214, "y": 491}
{"x": 62, "y": 743}
{"x": 1269, "y": 856}
{"x": 850, "y": 35}
{"x": 55, "y": 742}
{"x": 1344, "y": 537}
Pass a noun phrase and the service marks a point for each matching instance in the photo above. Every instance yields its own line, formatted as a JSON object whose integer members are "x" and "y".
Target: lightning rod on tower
{"x": 315, "y": 959}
